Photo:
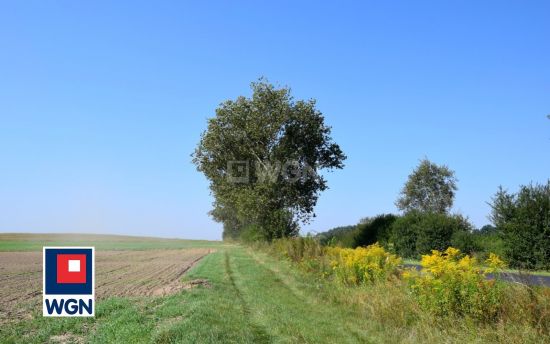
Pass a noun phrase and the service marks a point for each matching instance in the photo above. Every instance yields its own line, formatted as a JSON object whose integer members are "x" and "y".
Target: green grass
{"x": 249, "y": 301}
{"x": 253, "y": 297}
{"x": 35, "y": 242}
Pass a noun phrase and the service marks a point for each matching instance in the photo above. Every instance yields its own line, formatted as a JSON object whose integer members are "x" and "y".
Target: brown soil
{"x": 118, "y": 273}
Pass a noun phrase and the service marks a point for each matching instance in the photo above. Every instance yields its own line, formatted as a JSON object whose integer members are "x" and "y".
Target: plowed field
{"x": 118, "y": 273}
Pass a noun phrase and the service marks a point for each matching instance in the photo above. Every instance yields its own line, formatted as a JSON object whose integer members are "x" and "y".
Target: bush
{"x": 252, "y": 233}
{"x": 307, "y": 252}
{"x": 465, "y": 242}
{"x": 524, "y": 220}
{"x": 363, "y": 264}
{"x": 435, "y": 231}
{"x": 418, "y": 233}
{"x": 486, "y": 242}
{"x": 452, "y": 284}
{"x": 374, "y": 230}
{"x": 340, "y": 236}
{"x": 403, "y": 234}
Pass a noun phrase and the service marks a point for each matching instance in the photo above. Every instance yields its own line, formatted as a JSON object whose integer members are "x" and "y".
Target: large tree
{"x": 262, "y": 156}
{"x": 430, "y": 188}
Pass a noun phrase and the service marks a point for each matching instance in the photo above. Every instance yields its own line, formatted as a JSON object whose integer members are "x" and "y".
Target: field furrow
{"x": 118, "y": 273}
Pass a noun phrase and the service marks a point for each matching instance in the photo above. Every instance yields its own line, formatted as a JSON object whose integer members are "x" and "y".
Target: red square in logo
{"x": 71, "y": 268}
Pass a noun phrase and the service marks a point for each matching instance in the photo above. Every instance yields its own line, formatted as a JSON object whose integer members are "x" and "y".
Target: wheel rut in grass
{"x": 259, "y": 332}
{"x": 280, "y": 278}
{"x": 300, "y": 293}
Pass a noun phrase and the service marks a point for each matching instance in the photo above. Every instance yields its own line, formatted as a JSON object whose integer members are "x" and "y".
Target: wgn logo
{"x": 68, "y": 281}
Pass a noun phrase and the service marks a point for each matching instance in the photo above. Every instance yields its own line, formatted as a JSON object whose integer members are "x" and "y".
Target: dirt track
{"x": 118, "y": 273}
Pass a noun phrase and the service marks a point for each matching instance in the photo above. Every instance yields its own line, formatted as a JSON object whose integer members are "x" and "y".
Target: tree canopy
{"x": 429, "y": 188}
{"x": 262, "y": 156}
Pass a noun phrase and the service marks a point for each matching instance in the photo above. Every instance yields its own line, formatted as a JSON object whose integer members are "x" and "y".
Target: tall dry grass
{"x": 395, "y": 311}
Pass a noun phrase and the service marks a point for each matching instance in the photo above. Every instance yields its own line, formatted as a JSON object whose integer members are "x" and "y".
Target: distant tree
{"x": 232, "y": 226}
{"x": 523, "y": 219}
{"x": 429, "y": 188}
{"x": 261, "y": 156}
{"x": 487, "y": 230}
{"x": 340, "y": 236}
{"x": 365, "y": 220}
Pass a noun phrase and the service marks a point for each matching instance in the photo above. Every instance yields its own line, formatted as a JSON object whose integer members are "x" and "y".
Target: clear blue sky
{"x": 102, "y": 102}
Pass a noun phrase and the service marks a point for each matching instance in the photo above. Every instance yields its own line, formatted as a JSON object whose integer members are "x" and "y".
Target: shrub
{"x": 299, "y": 248}
{"x": 362, "y": 264}
{"x": 418, "y": 233}
{"x": 451, "y": 285}
{"x": 524, "y": 220}
{"x": 340, "y": 236}
{"x": 374, "y": 230}
{"x": 455, "y": 284}
{"x": 403, "y": 234}
{"x": 307, "y": 252}
{"x": 252, "y": 233}
{"x": 435, "y": 231}
{"x": 488, "y": 241}
{"x": 465, "y": 242}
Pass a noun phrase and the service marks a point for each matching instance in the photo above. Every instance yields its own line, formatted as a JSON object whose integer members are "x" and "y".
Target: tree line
{"x": 263, "y": 156}
{"x": 520, "y": 231}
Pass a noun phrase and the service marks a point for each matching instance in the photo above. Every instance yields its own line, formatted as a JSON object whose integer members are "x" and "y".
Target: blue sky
{"x": 101, "y": 103}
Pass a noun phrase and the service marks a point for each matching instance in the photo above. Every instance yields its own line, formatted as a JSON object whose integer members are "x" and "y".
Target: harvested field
{"x": 118, "y": 273}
